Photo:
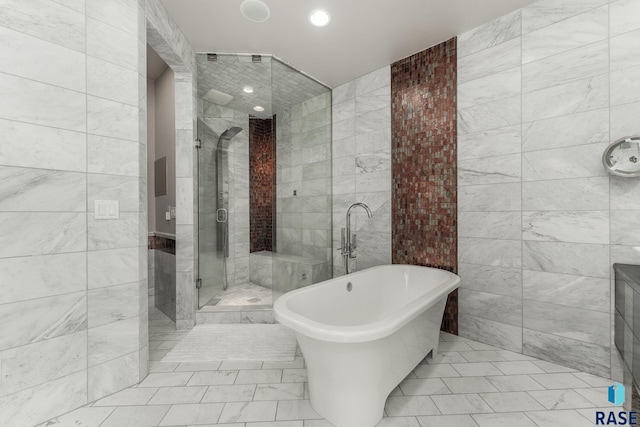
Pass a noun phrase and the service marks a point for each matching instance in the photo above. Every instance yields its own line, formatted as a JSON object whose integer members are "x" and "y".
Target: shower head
{"x": 228, "y": 134}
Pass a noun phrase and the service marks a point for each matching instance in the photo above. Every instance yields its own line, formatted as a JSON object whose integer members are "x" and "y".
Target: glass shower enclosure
{"x": 264, "y": 181}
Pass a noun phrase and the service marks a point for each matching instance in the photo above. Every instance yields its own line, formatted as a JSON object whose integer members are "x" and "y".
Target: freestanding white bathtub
{"x": 360, "y": 341}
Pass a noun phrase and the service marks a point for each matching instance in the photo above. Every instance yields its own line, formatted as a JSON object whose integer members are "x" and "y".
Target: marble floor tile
{"x": 230, "y": 393}
{"x": 178, "y": 395}
{"x": 447, "y": 421}
{"x": 423, "y": 387}
{"x": 461, "y": 404}
{"x": 469, "y": 385}
{"x": 472, "y": 384}
{"x": 504, "y": 420}
{"x": 562, "y": 399}
{"x": 511, "y": 401}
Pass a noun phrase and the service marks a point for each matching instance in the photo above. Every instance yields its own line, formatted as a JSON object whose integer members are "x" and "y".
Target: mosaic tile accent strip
{"x": 163, "y": 244}
{"x": 262, "y": 178}
{"x": 423, "y": 157}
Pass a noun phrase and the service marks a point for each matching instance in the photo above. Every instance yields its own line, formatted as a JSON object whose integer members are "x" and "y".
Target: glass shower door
{"x": 212, "y": 217}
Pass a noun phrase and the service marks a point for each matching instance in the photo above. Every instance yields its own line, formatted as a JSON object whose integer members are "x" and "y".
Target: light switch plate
{"x": 107, "y": 209}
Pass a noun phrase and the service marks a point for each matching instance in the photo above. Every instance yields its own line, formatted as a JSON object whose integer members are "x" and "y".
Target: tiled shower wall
{"x": 303, "y": 162}
{"x": 423, "y": 112}
{"x": 541, "y": 92}
{"x": 220, "y": 119}
{"x": 262, "y": 177}
{"x": 362, "y": 167}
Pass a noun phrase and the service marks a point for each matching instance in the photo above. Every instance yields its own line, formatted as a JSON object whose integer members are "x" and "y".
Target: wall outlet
{"x": 106, "y": 209}
{"x": 167, "y": 216}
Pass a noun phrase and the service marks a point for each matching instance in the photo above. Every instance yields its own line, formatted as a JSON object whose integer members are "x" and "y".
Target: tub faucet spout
{"x": 348, "y": 240}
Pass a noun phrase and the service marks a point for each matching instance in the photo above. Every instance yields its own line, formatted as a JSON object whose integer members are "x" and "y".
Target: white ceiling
{"x": 363, "y": 36}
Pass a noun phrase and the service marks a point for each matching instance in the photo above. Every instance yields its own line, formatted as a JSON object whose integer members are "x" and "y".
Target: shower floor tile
{"x": 246, "y": 294}
{"x": 278, "y": 394}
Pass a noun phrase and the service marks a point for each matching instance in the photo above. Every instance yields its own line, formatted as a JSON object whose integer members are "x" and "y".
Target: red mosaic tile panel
{"x": 262, "y": 180}
{"x": 424, "y": 138}
{"x": 162, "y": 244}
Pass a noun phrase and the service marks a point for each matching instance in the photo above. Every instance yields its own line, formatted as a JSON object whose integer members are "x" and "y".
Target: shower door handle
{"x": 221, "y": 215}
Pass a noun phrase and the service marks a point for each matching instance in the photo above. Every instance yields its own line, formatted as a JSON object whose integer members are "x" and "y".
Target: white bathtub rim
{"x": 360, "y": 333}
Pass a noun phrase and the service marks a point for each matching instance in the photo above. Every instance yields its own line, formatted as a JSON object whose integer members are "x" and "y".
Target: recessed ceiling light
{"x": 248, "y": 89}
{"x": 258, "y": 108}
{"x": 319, "y": 17}
{"x": 255, "y": 10}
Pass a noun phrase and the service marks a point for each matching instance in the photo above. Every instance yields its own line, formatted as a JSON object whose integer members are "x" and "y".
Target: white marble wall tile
{"x": 344, "y": 92}
{"x": 499, "y": 253}
{"x": 112, "y": 303}
{"x": 47, "y": 233}
{"x": 112, "y": 267}
{"x": 65, "y": 67}
{"x": 625, "y": 193}
{"x": 112, "y": 376}
{"x": 48, "y": 148}
{"x": 563, "y": 163}
{"x": 112, "y": 187}
{"x": 113, "y": 340}
{"x": 506, "y": 112}
{"x": 46, "y": 20}
{"x": 491, "y": 34}
{"x": 122, "y": 14}
{"x": 490, "y": 143}
{"x": 25, "y": 278}
{"x": 624, "y": 120}
{"x": 343, "y": 147}
{"x": 546, "y": 12}
{"x": 111, "y": 81}
{"x": 489, "y": 61}
{"x": 567, "y": 194}
{"x": 490, "y": 225}
{"x": 184, "y": 201}
{"x": 111, "y": 44}
{"x": 587, "y": 61}
{"x": 29, "y": 365}
{"x": 48, "y": 318}
{"x": 576, "y": 291}
{"x": 114, "y": 233}
{"x": 372, "y": 81}
{"x": 490, "y": 88}
{"x": 493, "y": 333}
{"x": 373, "y": 120}
{"x": 569, "y": 322}
{"x": 567, "y": 258}
{"x": 112, "y": 156}
{"x": 580, "y": 30}
{"x": 39, "y": 103}
{"x": 373, "y": 100}
{"x": 625, "y": 85}
{"x": 490, "y": 170}
{"x": 625, "y": 228}
{"x": 590, "y": 127}
{"x": 623, "y": 254}
{"x": 373, "y": 141}
{"x": 623, "y": 13}
{"x": 624, "y": 75}
{"x": 112, "y": 119}
{"x": 491, "y": 197}
{"x": 42, "y": 402}
{"x": 566, "y": 226}
{"x": 373, "y": 181}
{"x": 580, "y": 355}
{"x": 41, "y": 190}
{"x": 498, "y": 308}
{"x": 569, "y": 98}
{"x": 497, "y": 280}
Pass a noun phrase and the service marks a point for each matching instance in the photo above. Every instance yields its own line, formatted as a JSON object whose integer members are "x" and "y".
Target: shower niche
{"x": 264, "y": 185}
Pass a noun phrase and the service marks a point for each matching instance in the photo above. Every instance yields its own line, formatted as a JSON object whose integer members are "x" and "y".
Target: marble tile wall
{"x": 71, "y": 285}
{"x": 542, "y": 91}
{"x": 361, "y": 166}
{"x": 219, "y": 119}
{"x": 303, "y": 179}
